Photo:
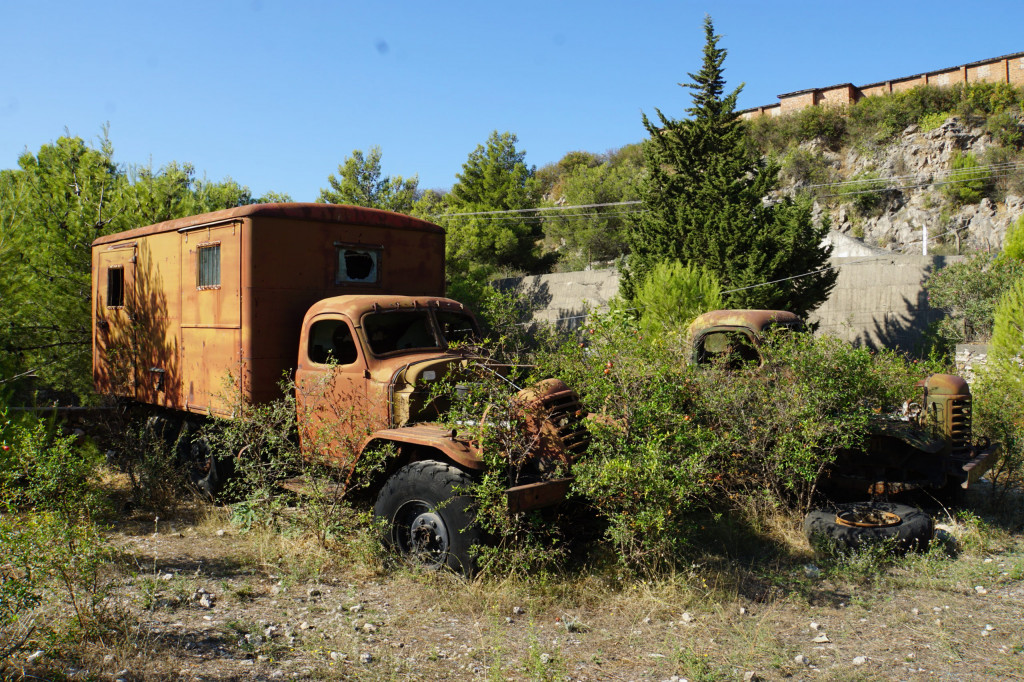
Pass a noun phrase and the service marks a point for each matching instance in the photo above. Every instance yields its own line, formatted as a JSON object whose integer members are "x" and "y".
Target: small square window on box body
{"x": 208, "y": 270}
{"x": 115, "y": 287}
{"x": 357, "y": 264}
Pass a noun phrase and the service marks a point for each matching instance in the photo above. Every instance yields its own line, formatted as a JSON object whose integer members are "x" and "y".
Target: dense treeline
{"x": 52, "y": 207}
{"x": 692, "y": 208}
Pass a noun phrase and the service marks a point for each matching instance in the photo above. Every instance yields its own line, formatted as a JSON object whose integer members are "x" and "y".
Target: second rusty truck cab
{"x": 927, "y": 446}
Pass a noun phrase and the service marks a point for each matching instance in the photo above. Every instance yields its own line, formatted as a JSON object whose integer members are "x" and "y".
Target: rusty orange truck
{"x": 196, "y": 316}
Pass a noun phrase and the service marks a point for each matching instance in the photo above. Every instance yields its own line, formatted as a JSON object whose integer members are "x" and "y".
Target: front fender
{"x": 463, "y": 452}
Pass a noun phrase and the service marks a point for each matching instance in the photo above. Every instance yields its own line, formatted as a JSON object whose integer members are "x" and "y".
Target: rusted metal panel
{"x": 980, "y": 462}
{"x": 158, "y": 300}
{"x": 211, "y": 379}
{"x": 209, "y": 301}
{"x": 755, "y": 320}
{"x": 114, "y": 336}
{"x": 537, "y": 495}
{"x": 435, "y": 437}
{"x": 342, "y": 403}
{"x": 317, "y": 213}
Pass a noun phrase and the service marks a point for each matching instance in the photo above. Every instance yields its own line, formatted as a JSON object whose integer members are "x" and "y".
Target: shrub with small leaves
{"x": 670, "y": 437}
{"x": 967, "y": 291}
{"x": 673, "y": 294}
{"x": 968, "y": 180}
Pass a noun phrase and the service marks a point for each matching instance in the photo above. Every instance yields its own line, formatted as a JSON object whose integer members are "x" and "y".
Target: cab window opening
{"x": 332, "y": 341}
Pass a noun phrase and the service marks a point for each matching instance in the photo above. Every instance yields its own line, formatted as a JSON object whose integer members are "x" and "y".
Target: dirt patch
{"x": 204, "y": 601}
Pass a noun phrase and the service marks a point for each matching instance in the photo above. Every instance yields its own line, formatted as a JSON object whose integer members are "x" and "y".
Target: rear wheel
{"x": 850, "y": 526}
{"x": 207, "y": 472}
{"x": 429, "y": 516}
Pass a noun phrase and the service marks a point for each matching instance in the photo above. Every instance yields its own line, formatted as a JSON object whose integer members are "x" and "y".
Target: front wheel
{"x": 429, "y": 516}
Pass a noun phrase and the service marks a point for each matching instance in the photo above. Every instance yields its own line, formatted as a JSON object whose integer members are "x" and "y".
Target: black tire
{"x": 207, "y": 472}
{"x": 428, "y": 516}
{"x": 850, "y": 526}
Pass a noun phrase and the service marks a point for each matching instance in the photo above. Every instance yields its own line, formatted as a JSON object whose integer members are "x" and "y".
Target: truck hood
{"x": 909, "y": 433}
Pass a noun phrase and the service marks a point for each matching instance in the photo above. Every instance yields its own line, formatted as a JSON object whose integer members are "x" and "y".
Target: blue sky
{"x": 277, "y": 94}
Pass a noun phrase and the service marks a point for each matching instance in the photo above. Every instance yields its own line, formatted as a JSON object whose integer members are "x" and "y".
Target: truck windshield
{"x": 398, "y": 330}
{"x": 457, "y": 328}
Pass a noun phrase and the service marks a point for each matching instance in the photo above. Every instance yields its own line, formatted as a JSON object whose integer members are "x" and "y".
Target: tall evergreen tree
{"x": 707, "y": 202}
{"x": 495, "y": 177}
{"x": 362, "y": 184}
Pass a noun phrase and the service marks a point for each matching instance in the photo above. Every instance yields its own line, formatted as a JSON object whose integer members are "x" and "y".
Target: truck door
{"x": 335, "y": 416}
{"x": 113, "y": 298}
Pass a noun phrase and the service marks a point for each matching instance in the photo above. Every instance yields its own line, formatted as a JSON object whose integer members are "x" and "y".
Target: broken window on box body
{"x": 208, "y": 267}
{"x": 115, "y": 287}
{"x": 358, "y": 264}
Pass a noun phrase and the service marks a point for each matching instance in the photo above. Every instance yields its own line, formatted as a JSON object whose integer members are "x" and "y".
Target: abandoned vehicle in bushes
{"x": 924, "y": 446}
{"x": 196, "y": 316}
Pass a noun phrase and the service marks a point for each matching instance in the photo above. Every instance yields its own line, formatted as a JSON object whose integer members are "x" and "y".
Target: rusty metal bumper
{"x": 537, "y": 495}
{"x": 980, "y": 463}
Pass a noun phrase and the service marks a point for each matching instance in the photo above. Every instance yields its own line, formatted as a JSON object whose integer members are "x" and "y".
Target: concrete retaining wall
{"x": 878, "y": 300}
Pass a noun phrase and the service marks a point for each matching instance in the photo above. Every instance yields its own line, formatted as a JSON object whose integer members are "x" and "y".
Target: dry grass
{"x": 743, "y": 601}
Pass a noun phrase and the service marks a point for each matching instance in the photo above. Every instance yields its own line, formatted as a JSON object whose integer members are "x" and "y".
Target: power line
{"x": 953, "y": 176}
{"x": 570, "y": 216}
{"x": 542, "y": 208}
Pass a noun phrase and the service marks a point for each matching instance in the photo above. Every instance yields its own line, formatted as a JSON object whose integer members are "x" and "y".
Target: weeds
{"x": 55, "y": 555}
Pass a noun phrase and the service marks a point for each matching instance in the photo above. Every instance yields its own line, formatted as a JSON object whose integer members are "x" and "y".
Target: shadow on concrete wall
{"x": 906, "y": 331}
{"x": 534, "y": 294}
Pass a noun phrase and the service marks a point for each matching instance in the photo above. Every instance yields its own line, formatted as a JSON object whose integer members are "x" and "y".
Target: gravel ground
{"x": 201, "y": 604}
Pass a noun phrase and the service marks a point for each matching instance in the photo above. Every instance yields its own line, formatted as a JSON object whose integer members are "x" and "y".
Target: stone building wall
{"x": 1006, "y": 69}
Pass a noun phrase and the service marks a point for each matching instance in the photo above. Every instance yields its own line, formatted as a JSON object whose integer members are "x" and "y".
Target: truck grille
{"x": 566, "y": 414}
{"x": 960, "y": 423}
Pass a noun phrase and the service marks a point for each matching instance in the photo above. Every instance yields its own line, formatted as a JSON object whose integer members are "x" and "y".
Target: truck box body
{"x": 188, "y": 312}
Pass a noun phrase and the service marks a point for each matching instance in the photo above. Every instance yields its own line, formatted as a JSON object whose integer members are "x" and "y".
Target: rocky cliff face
{"x": 905, "y": 179}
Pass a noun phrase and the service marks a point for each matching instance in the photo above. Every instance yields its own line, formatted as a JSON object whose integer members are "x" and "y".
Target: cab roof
{"x": 756, "y": 320}
{"x": 354, "y": 306}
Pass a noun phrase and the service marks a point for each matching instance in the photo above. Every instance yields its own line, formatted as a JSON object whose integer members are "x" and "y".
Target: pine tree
{"x": 362, "y": 183}
{"x": 706, "y": 204}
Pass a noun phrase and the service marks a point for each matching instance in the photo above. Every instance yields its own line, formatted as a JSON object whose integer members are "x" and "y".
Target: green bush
{"x": 1013, "y": 244}
{"x": 1008, "y": 323}
{"x": 824, "y": 123}
{"x": 801, "y": 167}
{"x": 967, "y": 291}
{"x": 968, "y": 181}
{"x": 53, "y": 548}
{"x": 866, "y": 192}
{"x": 877, "y": 119}
{"x": 670, "y": 438}
{"x": 976, "y": 100}
{"x": 933, "y": 120}
{"x": 998, "y": 405}
{"x": 673, "y": 294}
{"x": 1006, "y": 128}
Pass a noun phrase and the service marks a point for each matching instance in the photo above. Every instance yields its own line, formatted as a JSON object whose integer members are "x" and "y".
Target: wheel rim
{"x": 867, "y": 517}
{"x": 421, "y": 533}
